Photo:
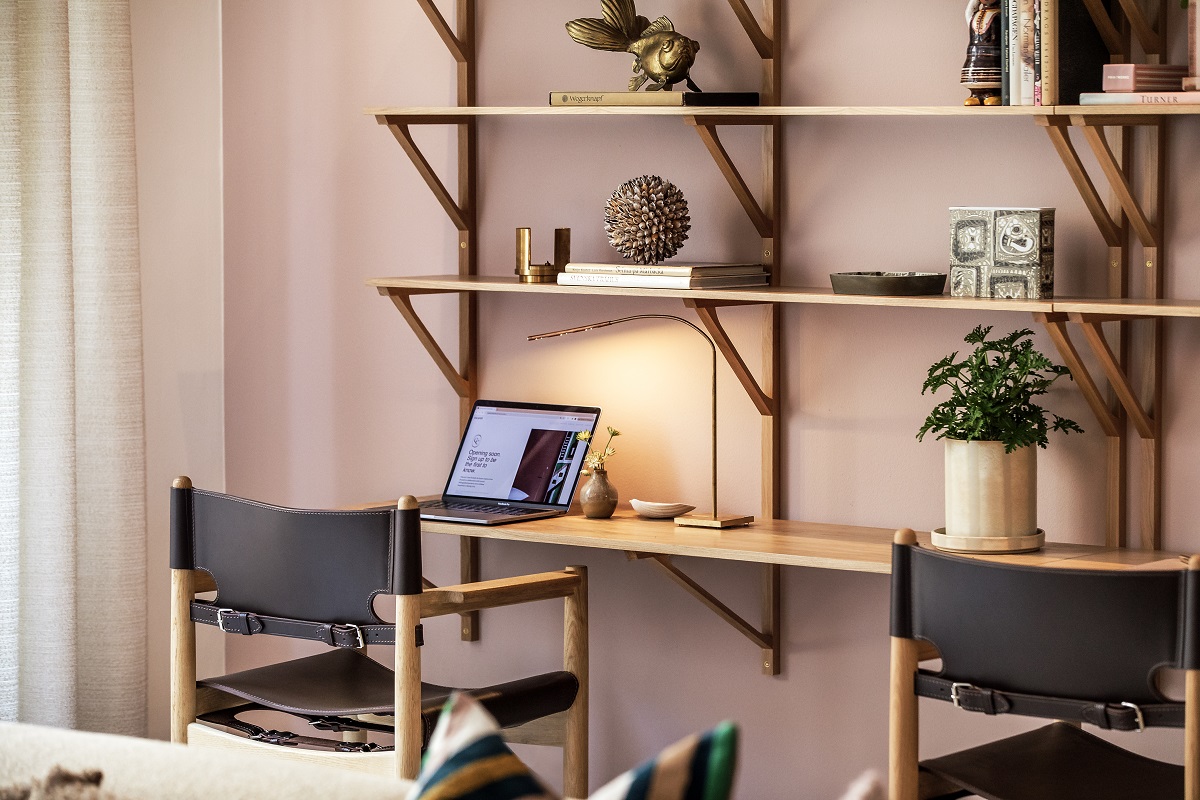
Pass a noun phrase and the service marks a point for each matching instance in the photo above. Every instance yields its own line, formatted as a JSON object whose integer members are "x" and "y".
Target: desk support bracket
{"x": 767, "y": 639}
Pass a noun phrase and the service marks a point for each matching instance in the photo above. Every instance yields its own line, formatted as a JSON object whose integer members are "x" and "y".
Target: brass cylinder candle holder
{"x": 527, "y": 271}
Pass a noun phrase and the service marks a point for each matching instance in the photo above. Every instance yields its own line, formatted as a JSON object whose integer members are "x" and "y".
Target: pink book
{"x": 1143, "y": 77}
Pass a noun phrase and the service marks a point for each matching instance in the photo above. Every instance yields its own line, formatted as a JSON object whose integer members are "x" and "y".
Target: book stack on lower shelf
{"x": 1142, "y": 84}
{"x": 664, "y": 276}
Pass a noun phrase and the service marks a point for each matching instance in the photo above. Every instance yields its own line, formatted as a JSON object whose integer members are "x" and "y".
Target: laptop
{"x": 516, "y": 461}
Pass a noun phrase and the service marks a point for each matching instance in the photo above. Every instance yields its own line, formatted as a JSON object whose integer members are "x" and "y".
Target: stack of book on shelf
{"x": 658, "y": 98}
{"x": 1051, "y": 52}
{"x": 664, "y": 276}
{"x": 1142, "y": 84}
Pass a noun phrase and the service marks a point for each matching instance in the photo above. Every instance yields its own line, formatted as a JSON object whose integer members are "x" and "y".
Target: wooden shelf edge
{"x": 435, "y": 112}
{"x": 1098, "y": 112}
{"x": 1122, "y": 307}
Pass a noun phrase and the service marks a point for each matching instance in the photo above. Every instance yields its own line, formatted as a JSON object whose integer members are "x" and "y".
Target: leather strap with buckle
{"x": 227, "y": 717}
{"x": 1108, "y": 716}
{"x": 332, "y": 634}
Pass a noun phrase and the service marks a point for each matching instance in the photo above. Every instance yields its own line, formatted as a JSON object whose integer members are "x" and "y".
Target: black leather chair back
{"x": 1088, "y": 634}
{"x": 321, "y": 566}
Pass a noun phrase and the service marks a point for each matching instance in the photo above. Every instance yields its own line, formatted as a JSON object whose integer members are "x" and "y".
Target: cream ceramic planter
{"x": 991, "y": 499}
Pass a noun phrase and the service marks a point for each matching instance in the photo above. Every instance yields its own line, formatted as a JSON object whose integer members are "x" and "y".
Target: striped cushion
{"x": 697, "y": 767}
{"x": 467, "y": 760}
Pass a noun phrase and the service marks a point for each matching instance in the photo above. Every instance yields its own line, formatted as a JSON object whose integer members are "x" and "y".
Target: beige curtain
{"x": 72, "y": 470}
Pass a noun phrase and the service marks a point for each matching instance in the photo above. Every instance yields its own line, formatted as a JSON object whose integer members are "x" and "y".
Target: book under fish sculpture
{"x": 661, "y": 54}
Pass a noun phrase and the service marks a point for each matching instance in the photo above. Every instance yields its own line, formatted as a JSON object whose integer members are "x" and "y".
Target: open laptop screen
{"x": 521, "y": 453}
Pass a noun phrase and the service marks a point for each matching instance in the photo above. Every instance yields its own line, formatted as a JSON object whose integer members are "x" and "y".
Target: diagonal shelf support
{"x": 767, "y": 639}
{"x": 403, "y": 303}
{"x": 1093, "y": 132}
{"x": 1117, "y": 378}
{"x": 452, "y": 42}
{"x": 708, "y": 315}
{"x": 404, "y": 136}
{"x": 759, "y": 218}
{"x": 1150, "y": 39}
{"x": 758, "y": 37}
{"x": 1108, "y": 30}
{"x": 1056, "y": 128}
{"x": 1056, "y": 326}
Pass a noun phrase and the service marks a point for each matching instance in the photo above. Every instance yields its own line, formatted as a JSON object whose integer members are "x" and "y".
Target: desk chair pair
{"x": 1078, "y": 646}
{"x": 313, "y": 575}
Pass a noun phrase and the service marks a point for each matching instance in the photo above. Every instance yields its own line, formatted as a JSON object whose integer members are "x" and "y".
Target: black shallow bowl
{"x": 888, "y": 283}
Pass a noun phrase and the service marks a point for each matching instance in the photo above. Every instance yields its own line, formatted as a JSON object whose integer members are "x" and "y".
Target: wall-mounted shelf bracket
{"x": 461, "y": 384}
{"x": 1118, "y": 380}
{"x": 1150, "y": 39}
{"x": 400, "y": 129}
{"x": 767, "y": 639}
{"x": 1092, "y": 127}
{"x": 458, "y": 50}
{"x": 758, "y": 37}
{"x": 707, "y": 311}
{"x": 706, "y": 127}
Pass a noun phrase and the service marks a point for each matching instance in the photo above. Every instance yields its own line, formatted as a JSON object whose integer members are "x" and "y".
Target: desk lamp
{"x": 693, "y": 520}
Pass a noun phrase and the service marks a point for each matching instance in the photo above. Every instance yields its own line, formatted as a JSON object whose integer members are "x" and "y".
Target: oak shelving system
{"x": 1132, "y": 213}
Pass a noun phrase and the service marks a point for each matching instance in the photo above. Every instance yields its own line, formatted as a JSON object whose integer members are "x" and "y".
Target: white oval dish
{"x": 650, "y": 510}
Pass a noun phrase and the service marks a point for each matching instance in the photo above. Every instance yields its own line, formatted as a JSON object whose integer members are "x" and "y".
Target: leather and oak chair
{"x": 1072, "y": 645}
{"x": 313, "y": 575}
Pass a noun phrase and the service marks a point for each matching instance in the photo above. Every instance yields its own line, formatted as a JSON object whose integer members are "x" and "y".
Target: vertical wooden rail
{"x": 575, "y": 661}
{"x": 1117, "y": 450}
{"x": 1154, "y": 196}
{"x": 1191, "y": 726}
{"x": 183, "y": 654}
{"x": 772, "y": 434}
{"x": 772, "y": 324}
{"x": 468, "y": 264}
{"x": 903, "y": 730}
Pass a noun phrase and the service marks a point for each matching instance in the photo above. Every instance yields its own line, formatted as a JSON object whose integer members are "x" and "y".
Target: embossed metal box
{"x": 1002, "y": 252}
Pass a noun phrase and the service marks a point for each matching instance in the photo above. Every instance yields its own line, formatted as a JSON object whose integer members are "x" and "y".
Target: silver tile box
{"x": 1002, "y": 252}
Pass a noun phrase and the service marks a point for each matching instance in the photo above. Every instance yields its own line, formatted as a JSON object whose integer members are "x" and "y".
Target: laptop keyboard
{"x": 487, "y": 509}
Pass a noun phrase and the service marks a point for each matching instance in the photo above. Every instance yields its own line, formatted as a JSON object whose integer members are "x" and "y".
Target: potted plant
{"x": 990, "y": 423}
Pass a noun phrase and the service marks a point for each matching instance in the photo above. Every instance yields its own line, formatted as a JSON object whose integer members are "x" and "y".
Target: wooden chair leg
{"x": 408, "y": 687}
{"x": 183, "y": 654}
{"x": 902, "y": 722}
{"x": 575, "y": 660}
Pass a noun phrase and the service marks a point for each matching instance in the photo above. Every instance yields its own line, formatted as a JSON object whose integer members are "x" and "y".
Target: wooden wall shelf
{"x": 441, "y": 114}
{"x": 782, "y": 542}
{"x": 1123, "y": 308}
{"x": 1130, "y": 215}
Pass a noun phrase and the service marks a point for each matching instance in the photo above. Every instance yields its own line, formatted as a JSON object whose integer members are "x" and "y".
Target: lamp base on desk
{"x": 709, "y": 521}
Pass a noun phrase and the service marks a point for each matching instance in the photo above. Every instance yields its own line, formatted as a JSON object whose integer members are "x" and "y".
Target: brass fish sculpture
{"x": 661, "y": 54}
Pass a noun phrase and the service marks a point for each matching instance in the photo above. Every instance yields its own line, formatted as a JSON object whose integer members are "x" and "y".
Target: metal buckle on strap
{"x": 221, "y": 619}
{"x": 955, "y": 688}
{"x": 348, "y": 627}
{"x": 1141, "y": 720}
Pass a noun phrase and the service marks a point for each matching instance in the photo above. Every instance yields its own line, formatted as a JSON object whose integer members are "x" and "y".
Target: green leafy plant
{"x": 596, "y": 458}
{"x": 992, "y": 392}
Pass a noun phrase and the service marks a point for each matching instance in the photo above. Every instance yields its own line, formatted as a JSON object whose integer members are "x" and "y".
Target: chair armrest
{"x": 496, "y": 593}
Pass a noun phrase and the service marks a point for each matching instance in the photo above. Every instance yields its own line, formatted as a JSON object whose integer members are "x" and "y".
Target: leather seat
{"x": 1080, "y": 646}
{"x": 315, "y": 575}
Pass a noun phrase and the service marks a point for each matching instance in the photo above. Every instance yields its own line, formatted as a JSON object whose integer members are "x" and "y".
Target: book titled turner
{"x": 661, "y": 98}
{"x": 1139, "y": 98}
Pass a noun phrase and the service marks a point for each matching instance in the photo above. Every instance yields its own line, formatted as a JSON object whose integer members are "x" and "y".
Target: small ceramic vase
{"x": 598, "y": 497}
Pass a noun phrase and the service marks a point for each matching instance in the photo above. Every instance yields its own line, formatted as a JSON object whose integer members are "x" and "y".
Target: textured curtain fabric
{"x": 72, "y": 463}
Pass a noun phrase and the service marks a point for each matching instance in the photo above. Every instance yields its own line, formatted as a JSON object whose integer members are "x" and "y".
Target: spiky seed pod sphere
{"x": 646, "y": 219}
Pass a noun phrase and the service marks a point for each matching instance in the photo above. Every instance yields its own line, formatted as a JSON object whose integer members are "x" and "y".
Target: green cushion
{"x": 467, "y": 760}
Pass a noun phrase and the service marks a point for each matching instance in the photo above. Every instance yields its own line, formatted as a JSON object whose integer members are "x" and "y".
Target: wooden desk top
{"x": 801, "y": 544}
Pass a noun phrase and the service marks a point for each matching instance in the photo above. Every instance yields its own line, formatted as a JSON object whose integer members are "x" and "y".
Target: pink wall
{"x": 330, "y": 399}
